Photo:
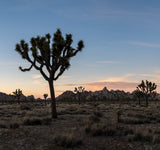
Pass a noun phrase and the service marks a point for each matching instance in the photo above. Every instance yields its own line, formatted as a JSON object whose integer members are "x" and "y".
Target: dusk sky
{"x": 121, "y": 38}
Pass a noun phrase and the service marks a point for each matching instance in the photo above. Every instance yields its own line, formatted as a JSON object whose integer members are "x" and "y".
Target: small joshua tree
{"x": 139, "y": 94}
{"x": 79, "y": 91}
{"x": 45, "y": 97}
{"x": 51, "y": 57}
{"x": 147, "y": 89}
{"x": 17, "y": 94}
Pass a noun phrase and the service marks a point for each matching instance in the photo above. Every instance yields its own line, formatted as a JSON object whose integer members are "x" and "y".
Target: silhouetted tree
{"x": 45, "y": 96}
{"x": 139, "y": 94}
{"x": 50, "y": 59}
{"x": 17, "y": 94}
{"x": 147, "y": 89}
{"x": 79, "y": 91}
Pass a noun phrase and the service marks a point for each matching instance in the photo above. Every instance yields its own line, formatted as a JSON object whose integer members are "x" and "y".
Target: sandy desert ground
{"x": 89, "y": 126}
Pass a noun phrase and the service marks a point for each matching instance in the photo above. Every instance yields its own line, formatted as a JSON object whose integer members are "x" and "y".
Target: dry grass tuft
{"x": 100, "y": 130}
{"x": 36, "y": 121}
{"x": 67, "y": 140}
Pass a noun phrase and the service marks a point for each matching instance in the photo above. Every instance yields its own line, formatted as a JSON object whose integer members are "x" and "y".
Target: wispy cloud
{"x": 124, "y": 78}
{"x": 65, "y": 77}
{"x": 108, "y": 62}
{"x": 145, "y": 44}
{"x": 37, "y": 82}
{"x": 155, "y": 77}
{"x": 36, "y": 76}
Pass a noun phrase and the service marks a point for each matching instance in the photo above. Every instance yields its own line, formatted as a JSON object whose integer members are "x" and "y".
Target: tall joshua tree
{"x": 147, "y": 89}
{"x": 50, "y": 59}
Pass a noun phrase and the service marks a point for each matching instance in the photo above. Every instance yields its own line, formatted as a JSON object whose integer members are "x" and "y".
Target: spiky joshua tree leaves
{"x": 17, "y": 94}
{"x": 51, "y": 57}
{"x": 146, "y": 89}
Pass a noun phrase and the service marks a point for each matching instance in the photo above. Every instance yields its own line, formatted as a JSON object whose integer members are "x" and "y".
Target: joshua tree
{"x": 79, "y": 91}
{"x": 50, "y": 59}
{"x": 45, "y": 96}
{"x": 147, "y": 89}
{"x": 17, "y": 94}
{"x": 139, "y": 94}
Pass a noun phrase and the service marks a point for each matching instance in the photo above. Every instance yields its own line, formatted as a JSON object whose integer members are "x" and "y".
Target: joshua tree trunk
{"x": 45, "y": 102}
{"x": 139, "y": 101}
{"x": 18, "y": 98}
{"x": 79, "y": 98}
{"x": 53, "y": 100}
{"x": 146, "y": 97}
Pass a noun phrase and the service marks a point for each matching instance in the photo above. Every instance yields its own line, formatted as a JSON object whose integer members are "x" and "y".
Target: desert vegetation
{"x": 91, "y": 125}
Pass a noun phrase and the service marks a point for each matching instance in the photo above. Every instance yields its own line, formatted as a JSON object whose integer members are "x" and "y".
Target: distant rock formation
{"x": 4, "y": 96}
{"x": 97, "y": 95}
{"x": 66, "y": 95}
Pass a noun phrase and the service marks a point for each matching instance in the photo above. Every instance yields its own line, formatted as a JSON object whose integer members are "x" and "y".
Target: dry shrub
{"x": 97, "y": 126}
{"x": 14, "y": 125}
{"x": 95, "y": 117}
{"x": 3, "y": 125}
{"x": 156, "y": 139}
{"x": 25, "y": 107}
{"x": 135, "y": 121}
{"x": 36, "y": 121}
{"x": 67, "y": 140}
{"x": 140, "y": 137}
{"x": 38, "y": 113}
{"x": 100, "y": 130}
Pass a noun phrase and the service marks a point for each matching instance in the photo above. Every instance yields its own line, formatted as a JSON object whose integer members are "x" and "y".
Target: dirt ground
{"x": 90, "y": 126}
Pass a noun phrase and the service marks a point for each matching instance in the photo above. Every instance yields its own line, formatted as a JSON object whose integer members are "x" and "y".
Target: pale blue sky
{"x": 122, "y": 41}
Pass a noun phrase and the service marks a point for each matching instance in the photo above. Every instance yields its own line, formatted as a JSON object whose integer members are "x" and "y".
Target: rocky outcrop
{"x": 66, "y": 95}
{"x": 97, "y": 95}
{"x": 4, "y": 96}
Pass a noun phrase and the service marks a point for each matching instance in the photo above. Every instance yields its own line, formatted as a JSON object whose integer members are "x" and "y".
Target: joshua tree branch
{"x": 26, "y": 69}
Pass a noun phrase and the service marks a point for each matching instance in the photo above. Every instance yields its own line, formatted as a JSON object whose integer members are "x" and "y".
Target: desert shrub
{"x": 67, "y": 140}
{"x": 25, "y": 107}
{"x": 14, "y": 125}
{"x": 3, "y": 126}
{"x": 156, "y": 139}
{"x": 141, "y": 137}
{"x": 128, "y": 131}
{"x": 32, "y": 121}
{"x": 135, "y": 121}
{"x": 130, "y": 137}
{"x": 100, "y": 130}
{"x": 95, "y": 117}
{"x": 47, "y": 121}
{"x": 37, "y": 121}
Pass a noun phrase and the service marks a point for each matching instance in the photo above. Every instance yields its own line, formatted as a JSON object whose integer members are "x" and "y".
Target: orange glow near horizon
{"x": 94, "y": 86}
